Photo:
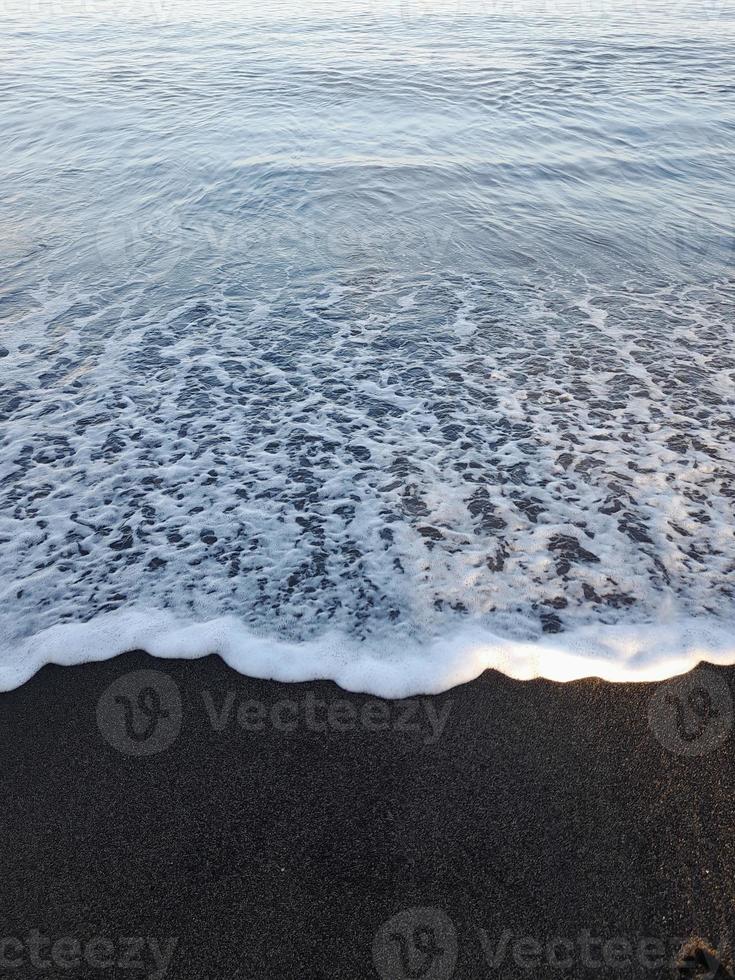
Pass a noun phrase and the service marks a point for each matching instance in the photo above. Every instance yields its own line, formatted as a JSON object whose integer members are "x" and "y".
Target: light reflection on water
{"x": 435, "y": 135}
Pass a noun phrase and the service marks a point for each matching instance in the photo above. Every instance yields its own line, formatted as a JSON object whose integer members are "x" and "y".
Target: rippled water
{"x": 385, "y": 321}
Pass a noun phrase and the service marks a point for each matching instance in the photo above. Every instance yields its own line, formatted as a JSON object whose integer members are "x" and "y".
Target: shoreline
{"x": 297, "y": 829}
{"x": 637, "y": 652}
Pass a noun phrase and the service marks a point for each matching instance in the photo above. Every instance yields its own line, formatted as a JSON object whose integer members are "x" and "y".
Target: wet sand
{"x": 231, "y": 827}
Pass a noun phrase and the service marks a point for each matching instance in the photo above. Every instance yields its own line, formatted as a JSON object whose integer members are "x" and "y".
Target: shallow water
{"x": 395, "y": 324}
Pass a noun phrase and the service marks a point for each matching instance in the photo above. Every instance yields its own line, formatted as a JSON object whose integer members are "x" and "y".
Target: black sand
{"x": 552, "y": 812}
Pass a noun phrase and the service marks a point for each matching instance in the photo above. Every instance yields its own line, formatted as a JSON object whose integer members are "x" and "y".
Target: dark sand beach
{"x": 512, "y": 829}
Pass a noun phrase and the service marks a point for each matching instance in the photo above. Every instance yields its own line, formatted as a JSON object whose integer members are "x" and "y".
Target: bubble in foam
{"x": 391, "y": 481}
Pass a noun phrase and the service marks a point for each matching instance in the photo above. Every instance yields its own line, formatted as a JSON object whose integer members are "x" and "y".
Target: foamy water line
{"x": 645, "y": 652}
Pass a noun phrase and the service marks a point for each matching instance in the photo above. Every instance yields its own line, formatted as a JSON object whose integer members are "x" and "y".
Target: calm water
{"x": 381, "y": 320}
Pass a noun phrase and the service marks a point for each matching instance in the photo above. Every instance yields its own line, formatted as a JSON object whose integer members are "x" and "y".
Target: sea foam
{"x": 391, "y": 482}
{"x": 645, "y": 652}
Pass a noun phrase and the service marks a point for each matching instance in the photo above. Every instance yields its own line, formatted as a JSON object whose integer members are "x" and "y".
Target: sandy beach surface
{"x": 173, "y": 818}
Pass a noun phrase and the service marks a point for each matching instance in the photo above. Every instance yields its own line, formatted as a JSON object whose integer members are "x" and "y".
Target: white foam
{"x": 369, "y": 490}
{"x": 643, "y": 652}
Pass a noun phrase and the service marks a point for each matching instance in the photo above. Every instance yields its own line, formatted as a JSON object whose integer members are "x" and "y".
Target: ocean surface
{"x": 383, "y": 342}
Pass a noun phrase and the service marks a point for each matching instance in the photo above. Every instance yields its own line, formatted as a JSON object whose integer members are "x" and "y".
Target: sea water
{"x": 381, "y": 341}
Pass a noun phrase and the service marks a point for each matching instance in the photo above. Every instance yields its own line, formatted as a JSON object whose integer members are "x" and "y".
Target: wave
{"x": 650, "y": 651}
{"x": 411, "y": 481}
